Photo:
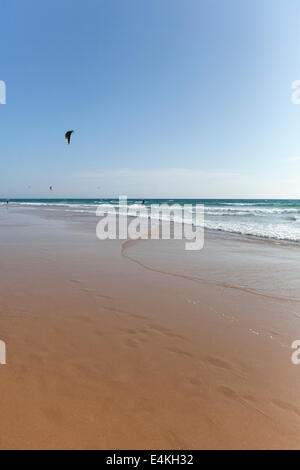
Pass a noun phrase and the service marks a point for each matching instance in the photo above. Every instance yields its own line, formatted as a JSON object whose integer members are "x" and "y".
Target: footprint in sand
{"x": 102, "y": 296}
{"x": 165, "y": 331}
{"x": 195, "y": 381}
{"x": 175, "y": 440}
{"x": 132, "y": 343}
{"x": 228, "y": 392}
{"x": 129, "y": 330}
{"x": 85, "y": 289}
{"x": 249, "y": 398}
{"x": 146, "y": 331}
{"x": 117, "y": 310}
{"x": 90, "y": 291}
{"x": 181, "y": 352}
{"x": 286, "y": 406}
{"x": 215, "y": 361}
{"x": 136, "y": 315}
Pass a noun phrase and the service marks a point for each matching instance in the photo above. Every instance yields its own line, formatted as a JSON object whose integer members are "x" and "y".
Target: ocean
{"x": 273, "y": 219}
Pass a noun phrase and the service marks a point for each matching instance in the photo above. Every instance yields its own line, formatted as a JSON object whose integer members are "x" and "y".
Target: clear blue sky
{"x": 175, "y": 98}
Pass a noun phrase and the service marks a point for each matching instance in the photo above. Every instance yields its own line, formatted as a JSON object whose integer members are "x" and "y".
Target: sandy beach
{"x": 145, "y": 346}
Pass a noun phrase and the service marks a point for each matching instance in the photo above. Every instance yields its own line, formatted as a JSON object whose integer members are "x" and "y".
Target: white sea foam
{"x": 269, "y": 220}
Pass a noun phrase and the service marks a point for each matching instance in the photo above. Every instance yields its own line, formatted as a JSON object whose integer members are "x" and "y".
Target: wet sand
{"x": 145, "y": 346}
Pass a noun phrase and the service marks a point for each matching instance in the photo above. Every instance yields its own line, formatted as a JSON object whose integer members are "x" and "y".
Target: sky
{"x": 168, "y": 98}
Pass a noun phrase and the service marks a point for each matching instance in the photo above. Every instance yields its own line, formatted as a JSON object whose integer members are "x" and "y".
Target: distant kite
{"x": 50, "y": 187}
{"x": 68, "y": 136}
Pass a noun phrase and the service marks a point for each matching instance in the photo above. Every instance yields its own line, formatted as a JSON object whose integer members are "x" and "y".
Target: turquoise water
{"x": 276, "y": 219}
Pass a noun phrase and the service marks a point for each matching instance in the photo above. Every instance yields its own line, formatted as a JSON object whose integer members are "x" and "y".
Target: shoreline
{"x": 106, "y": 352}
{"x": 59, "y": 206}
